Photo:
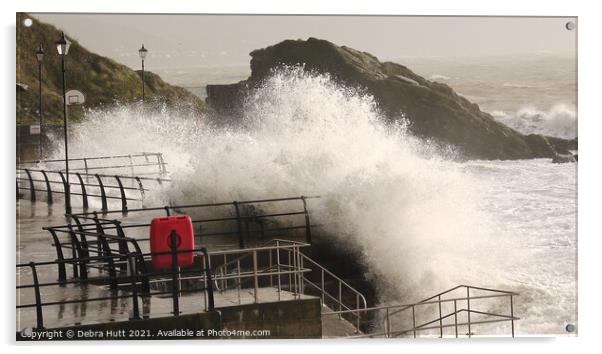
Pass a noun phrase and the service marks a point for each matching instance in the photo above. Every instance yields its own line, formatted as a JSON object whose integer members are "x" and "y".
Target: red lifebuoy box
{"x": 161, "y": 240}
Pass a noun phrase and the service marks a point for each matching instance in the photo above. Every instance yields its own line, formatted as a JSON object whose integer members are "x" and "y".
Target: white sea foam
{"x": 421, "y": 222}
{"x": 438, "y": 77}
{"x": 559, "y": 121}
{"x": 517, "y": 86}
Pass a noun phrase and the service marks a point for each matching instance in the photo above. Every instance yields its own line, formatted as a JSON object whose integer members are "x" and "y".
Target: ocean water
{"x": 422, "y": 221}
{"x": 533, "y": 94}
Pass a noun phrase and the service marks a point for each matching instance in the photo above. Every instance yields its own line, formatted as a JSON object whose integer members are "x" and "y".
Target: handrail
{"x": 138, "y": 277}
{"x": 142, "y": 154}
{"x": 85, "y": 187}
{"x": 391, "y": 310}
{"x": 112, "y": 170}
{"x": 360, "y": 299}
{"x": 425, "y": 301}
{"x": 134, "y": 281}
{"x": 203, "y": 205}
{"x": 235, "y": 215}
{"x": 363, "y": 298}
{"x": 156, "y": 179}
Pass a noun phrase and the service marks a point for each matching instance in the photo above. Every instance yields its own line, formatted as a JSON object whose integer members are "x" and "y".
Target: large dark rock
{"x": 433, "y": 109}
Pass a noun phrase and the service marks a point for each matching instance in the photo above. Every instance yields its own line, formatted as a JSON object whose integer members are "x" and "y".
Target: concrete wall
{"x": 296, "y": 319}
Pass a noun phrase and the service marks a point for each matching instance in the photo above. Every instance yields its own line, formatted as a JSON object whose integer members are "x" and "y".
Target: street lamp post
{"x": 62, "y": 46}
{"x": 142, "y": 52}
{"x": 40, "y": 57}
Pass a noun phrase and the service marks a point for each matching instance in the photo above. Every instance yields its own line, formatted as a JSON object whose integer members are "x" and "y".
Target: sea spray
{"x": 558, "y": 121}
{"x": 417, "y": 218}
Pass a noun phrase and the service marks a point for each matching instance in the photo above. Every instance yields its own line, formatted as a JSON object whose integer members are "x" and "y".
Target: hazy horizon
{"x": 188, "y": 40}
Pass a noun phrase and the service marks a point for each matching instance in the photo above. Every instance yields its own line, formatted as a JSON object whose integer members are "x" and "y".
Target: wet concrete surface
{"x": 35, "y": 245}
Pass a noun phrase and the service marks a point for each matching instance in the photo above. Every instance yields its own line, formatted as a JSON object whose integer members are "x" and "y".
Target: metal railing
{"x": 102, "y": 244}
{"x": 346, "y": 299}
{"x": 276, "y": 264}
{"x": 136, "y": 279}
{"x": 94, "y": 177}
{"x": 42, "y": 182}
{"x": 404, "y": 319}
{"x": 332, "y": 290}
{"x": 243, "y": 219}
{"x": 139, "y": 164}
{"x": 254, "y": 270}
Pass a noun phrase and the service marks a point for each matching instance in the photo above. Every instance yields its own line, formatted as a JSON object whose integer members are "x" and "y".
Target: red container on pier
{"x": 161, "y": 240}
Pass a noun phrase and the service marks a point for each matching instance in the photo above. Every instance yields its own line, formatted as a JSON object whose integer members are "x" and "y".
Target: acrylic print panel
{"x": 346, "y": 176}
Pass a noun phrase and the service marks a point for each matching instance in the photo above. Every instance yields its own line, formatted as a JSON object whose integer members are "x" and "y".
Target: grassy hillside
{"x": 103, "y": 81}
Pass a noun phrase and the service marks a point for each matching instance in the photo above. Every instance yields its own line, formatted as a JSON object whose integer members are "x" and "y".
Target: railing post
{"x": 81, "y": 253}
{"x": 295, "y": 272}
{"x": 225, "y": 272}
{"x": 133, "y": 273}
{"x": 141, "y": 266}
{"x": 131, "y": 165}
{"x": 59, "y": 255}
{"x": 84, "y": 194}
{"x": 241, "y": 241}
{"x": 307, "y": 221}
{"x": 414, "y": 320}
{"x": 141, "y": 188}
{"x": 175, "y": 279}
{"x": 512, "y": 315}
{"x": 111, "y": 264}
{"x": 456, "y": 317}
{"x": 99, "y": 232}
{"x": 36, "y": 283}
{"x": 388, "y": 323}
{"x": 209, "y": 280}
{"x": 124, "y": 201}
{"x": 75, "y": 250}
{"x": 83, "y": 240}
{"x": 278, "y": 268}
{"x": 440, "y": 318}
{"x": 86, "y": 169}
{"x": 468, "y": 310}
{"x": 270, "y": 268}
{"x": 103, "y": 195}
{"x": 66, "y": 187}
{"x": 323, "y": 290}
{"x": 301, "y": 273}
{"x": 255, "y": 278}
{"x": 340, "y": 297}
{"x": 238, "y": 281}
{"x": 357, "y": 307}
{"x": 162, "y": 169}
{"x": 32, "y": 195}
{"x": 290, "y": 277}
{"x": 48, "y": 189}
{"x": 122, "y": 242}
{"x": 123, "y": 245}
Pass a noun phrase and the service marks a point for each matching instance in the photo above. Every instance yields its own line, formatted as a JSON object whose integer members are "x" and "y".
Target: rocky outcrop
{"x": 561, "y": 158}
{"x": 434, "y": 110}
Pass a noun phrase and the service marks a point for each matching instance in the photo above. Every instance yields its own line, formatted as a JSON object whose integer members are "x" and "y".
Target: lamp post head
{"x": 62, "y": 44}
{"x": 40, "y": 54}
{"x": 142, "y": 52}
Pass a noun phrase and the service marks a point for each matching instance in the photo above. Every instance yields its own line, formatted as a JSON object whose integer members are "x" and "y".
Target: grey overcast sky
{"x": 180, "y": 41}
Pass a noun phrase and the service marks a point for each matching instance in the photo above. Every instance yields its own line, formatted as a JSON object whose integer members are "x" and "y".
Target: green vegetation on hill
{"x": 103, "y": 81}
